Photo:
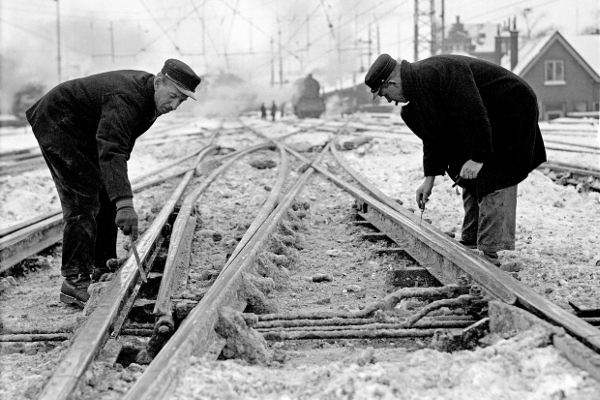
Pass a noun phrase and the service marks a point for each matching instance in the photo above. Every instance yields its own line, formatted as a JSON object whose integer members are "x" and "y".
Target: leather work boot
{"x": 98, "y": 272}
{"x": 491, "y": 257}
{"x": 74, "y": 290}
{"x": 468, "y": 245}
{"x": 111, "y": 266}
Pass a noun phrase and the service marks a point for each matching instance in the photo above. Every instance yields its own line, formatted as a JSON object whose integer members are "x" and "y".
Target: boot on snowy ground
{"x": 74, "y": 290}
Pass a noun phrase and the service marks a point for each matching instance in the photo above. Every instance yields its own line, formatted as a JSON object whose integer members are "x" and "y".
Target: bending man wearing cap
{"x": 479, "y": 124}
{"x": 86, "y": 129}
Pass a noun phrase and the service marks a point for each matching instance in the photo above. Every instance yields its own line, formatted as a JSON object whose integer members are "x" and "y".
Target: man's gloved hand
{"x": 424, "y": 191}
{"x": 127, "y": 218}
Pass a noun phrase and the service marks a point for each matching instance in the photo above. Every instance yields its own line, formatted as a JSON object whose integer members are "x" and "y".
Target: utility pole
{"x": 58, "y": 60}
{"x": 112, "y": 42}
{"x": 280, "y": 58}
{"x": 378, "y": 41}
{"x": 307, "y": 35}
{"x": 272, "y": 64}
{"x": 369, "y": 42}
{"x": 339, "y": 38}
{"x": 443, "y": 16}
{"x": 425, "y": 31}
{"x": 250, "y": 33}
{"x": 399, "y": 40}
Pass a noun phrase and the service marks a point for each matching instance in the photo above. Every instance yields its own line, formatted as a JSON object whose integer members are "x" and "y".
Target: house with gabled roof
{"x": 564, "y": 72}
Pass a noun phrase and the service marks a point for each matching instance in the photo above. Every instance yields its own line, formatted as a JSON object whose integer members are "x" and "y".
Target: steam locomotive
{"x": 306, "y": 99}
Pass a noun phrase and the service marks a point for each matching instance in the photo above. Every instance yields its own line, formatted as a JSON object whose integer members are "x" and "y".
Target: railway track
{"x": 231, "y": 288}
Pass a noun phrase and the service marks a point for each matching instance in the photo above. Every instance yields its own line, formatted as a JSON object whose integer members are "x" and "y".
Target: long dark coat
{"x": 465, "y": 109}
{"x": 99, "y": 117}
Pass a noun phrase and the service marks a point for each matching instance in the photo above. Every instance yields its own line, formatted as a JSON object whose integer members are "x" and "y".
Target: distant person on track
{"x": 263, "y": 111}
{"x": 86, "y": 129}
{"x": 273, "y": 111}
{"x": 479, "y": 124}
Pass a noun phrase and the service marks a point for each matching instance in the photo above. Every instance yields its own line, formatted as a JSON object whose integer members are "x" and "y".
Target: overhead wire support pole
{"x": 443, "y": 20}
{"x": 425, "y": 31}
{"x": 280, "y": 57}
{"x": 433, "y": 30}
{"x": 272, "y": 64}
{"x": 58, "y": 59}
{"x": 112, "y": 41}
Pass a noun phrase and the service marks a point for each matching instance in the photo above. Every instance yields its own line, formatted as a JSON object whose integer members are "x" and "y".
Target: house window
{"x": 555, "y": 72}
{"x": 596, "y": 106}
{"x": 553, "y": 110}
{"x": 580, "y": 106}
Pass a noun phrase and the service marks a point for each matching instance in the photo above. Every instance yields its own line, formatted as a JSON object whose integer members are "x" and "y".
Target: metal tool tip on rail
{"x": 138, "y": 261}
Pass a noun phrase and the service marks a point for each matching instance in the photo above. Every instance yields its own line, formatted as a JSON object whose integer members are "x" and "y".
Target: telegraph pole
{"x": 378, "y": 41}
{"x": 272, "y": 65}
{"x": 369, "y": 42}
{"x": 280, "y": 59}
{"x": 443, "y": 16}
{"x": 58, "y": 41}
{"x": 112, "y": 42}
{"x": 425, "y": 28}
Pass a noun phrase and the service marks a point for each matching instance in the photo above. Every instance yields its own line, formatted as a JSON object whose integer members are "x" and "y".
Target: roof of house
{"x": 483, "y": 36}
{"x": 584, "y": 48}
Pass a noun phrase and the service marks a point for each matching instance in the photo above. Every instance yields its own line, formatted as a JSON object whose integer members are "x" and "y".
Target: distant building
{"x": 563, "y": 71}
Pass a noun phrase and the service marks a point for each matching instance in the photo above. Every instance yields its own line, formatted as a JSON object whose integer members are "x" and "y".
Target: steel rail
{"x": 572, "y": 150}
{"x": 196, "y": 333}
{"x": 134, "y": 182}
{"x": 11, "y": 153}
{"x": 21, "y": 156}
{"x": 94, "y": 332}
{"x": 576, "y": 169}
{"x": 445, "y": 258}
{"x": 185, "y": 219}
{"x": 42, "y": 232}
{"x": 22, "y": 166}
{"x": 118, "y": 295}
{"x": 375, "y": 192}
{"x": 162, "y": 168}
{"x": 23, "y": 224}
{"x": 481, "y": 271}
{"x": 583, "y": 146}
{"x": 47, "y": 231}
{"x": 34, "y": 235}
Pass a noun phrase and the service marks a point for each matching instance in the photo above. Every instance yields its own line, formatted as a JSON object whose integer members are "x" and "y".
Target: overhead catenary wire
{"x": 166, "y": 23}
{"x": 161, "y": 27}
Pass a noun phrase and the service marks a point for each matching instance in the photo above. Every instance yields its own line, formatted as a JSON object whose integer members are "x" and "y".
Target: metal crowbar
{"x": 138, "y": 261}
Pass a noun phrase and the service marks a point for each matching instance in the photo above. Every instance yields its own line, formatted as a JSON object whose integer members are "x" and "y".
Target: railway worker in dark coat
{"x": 263, "y": 111}
{"x": 86, "y": 129}
{"x": 479, "y": 124}
{"x": 273, "y": 111}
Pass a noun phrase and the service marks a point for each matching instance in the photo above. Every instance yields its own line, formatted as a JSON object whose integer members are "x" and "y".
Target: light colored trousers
{"x": 491, "y": 220}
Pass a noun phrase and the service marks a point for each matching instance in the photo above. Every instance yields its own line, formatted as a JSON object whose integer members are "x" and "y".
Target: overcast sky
{"x": 329, "y": 38}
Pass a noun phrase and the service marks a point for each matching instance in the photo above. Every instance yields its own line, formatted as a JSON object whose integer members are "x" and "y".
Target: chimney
{"x": 514, "y": 45}
{"x": 498, "y": 47}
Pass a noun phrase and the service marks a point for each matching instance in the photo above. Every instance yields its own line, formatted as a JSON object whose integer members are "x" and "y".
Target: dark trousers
{"x": 491, "y": 220}
{"x": 89, "y": 229}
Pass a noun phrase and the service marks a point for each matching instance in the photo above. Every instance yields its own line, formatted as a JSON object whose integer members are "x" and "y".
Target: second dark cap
{"x": 184, "y": 78}
{"x": 379, "y": 71}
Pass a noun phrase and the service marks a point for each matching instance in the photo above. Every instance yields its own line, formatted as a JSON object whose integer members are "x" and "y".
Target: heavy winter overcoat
{"x": 465, "y": 109}
{"x": 98, "y": 117}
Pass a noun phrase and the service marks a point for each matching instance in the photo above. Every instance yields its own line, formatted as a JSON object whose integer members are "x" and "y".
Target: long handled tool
{"x": 139, "y": 263}
{"x": 457, "y": 181}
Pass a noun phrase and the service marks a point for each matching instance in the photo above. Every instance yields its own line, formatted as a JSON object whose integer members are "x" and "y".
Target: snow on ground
{"x": 557, "y": 240}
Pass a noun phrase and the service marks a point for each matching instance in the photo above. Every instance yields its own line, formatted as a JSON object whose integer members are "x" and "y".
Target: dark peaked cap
{"x": 380, "y": 70}
{"x": 184, "y": 78}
